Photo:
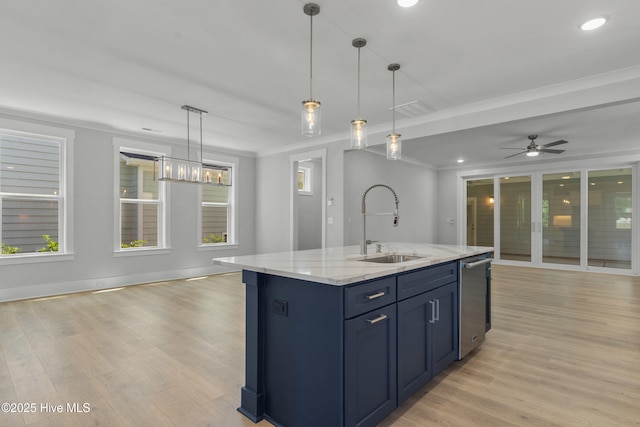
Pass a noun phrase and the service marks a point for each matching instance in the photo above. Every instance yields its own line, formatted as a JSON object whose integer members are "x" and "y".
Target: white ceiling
{"x": 489, "y": 72}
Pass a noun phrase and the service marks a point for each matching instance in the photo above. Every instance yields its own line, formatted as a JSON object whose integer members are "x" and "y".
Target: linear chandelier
{"x": 194, "y": 171}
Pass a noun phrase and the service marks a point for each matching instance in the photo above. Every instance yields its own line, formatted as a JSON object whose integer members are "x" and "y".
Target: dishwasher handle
{"x": 477, "y": 263}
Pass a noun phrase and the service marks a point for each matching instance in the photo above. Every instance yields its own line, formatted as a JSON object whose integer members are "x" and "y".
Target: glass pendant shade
{"x": 311, "y": 118}
{"x": 358, "y": 134}
{"x": 394, "y": 147}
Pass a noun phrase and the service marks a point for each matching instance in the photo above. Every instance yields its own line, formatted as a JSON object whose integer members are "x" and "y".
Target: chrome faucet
{"x": 364, "y": 242}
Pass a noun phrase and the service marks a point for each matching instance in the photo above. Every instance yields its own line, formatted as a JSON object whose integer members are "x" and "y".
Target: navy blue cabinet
{"x": 370, "y": 367}
{"x": 444, "y": 344}
{"x": 343, "y": 356}
{"x": 427, "y": 327}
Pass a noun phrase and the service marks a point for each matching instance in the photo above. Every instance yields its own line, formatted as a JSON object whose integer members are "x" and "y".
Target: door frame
{"x": 293, "y": 193}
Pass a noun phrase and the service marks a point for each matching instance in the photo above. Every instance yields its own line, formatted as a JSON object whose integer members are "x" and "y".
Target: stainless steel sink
{"x": 391, "y": 259}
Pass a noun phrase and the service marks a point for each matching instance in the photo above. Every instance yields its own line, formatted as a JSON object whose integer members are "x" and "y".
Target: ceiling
{"x": 484, "y": 74}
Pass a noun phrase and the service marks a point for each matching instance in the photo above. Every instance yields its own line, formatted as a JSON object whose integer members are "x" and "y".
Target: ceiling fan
{"x": 534, "y": 149}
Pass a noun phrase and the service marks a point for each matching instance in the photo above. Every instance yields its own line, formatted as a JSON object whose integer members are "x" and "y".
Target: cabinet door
{"x": 414, "y": 358}
{"x": 444, "y": 331}
{"x": 370, "y": 367}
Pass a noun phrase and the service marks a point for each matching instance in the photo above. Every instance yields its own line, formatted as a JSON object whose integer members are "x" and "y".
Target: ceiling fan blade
{"x": 510, "y": 148}
{"x": 513, "y": 155}
{"x": 546, "y": 150}
{"x": 551, "y": 144}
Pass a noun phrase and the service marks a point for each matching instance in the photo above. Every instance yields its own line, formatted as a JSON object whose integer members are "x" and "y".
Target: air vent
{"x": 413, "y": 109}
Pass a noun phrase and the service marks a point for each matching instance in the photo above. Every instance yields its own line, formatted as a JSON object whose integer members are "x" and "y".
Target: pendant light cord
{"x": 358, "y": 84}
{"x": 201, "y": 158}
{"x": 311, "y": 60}
{"x": 188, "y": 137}
{"x": 393, "y": 105}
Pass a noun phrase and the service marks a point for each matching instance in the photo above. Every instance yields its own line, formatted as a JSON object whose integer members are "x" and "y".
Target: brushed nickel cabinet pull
{"x": 433, "y": 312}
{"x": 377, "y": 319}
{"x": 374, "y": 296}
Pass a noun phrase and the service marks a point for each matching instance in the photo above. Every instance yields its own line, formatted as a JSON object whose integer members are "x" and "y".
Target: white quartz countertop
{"x": 344, "y": 265}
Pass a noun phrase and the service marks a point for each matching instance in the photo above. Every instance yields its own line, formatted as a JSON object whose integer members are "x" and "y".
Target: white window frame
{"x": 232, "y": 211}
{"x": 307, "y": 186}
{"x": 150, "y": 149}
{"x": 66, "y": 138}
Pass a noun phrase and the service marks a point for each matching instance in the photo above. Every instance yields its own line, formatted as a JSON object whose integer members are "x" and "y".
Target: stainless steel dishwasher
{"x": 475, "y": 294}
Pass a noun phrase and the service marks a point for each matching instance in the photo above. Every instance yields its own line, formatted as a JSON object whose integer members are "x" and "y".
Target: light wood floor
{"x": 564, "y": 351}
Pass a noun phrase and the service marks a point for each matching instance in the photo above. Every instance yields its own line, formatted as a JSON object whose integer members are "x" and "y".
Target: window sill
{"x": 35, "y": 258}
{"x": 217, "y": 247}
{"x": 141, "y": 252}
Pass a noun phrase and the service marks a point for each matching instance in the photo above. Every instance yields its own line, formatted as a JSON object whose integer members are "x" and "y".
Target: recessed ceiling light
{"x": 407, "y": 3}
{"x": 594, "y": 23}
{"x": 566, "y": 177}
{"x": 460, "y": 160}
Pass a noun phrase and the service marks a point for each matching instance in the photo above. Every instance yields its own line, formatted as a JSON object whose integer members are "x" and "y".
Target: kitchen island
{"x": 335, "y": 338}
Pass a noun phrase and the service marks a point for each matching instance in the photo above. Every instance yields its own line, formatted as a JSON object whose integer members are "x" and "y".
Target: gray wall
{"x": 273, "y": 198}
{"x": 415, "y": 186}
{"x": 94, "y": 265}
{"x": 447, "y": 232}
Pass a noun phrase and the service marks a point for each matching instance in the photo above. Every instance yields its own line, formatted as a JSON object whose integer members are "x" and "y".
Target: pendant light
{"x": 311, "y": 114}
{"x": 191, "y": 170}
{"x": 394, "y": 144}
{"x": 358, "y": 125}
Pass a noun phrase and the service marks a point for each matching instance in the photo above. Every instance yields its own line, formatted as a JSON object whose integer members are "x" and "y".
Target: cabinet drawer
{"x": 417, "y": 282}
{"x": 369, "y": 296}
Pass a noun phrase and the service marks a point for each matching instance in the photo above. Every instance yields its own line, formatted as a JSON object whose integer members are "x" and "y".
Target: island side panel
{"x": 252, "y": 394}
{"x": 304, "y": 351}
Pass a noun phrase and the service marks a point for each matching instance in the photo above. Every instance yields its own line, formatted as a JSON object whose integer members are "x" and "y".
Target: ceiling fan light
{"x": 532, "y": 153}
{"x": 594, "y": 23}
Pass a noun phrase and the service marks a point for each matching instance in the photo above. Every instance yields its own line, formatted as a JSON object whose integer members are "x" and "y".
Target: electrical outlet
{"x": 280, "y": 307}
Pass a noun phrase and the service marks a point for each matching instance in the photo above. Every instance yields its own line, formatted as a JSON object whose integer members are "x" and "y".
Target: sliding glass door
{"x": 515, "y": 218}
{"x": 561, "y": 218}
{"x": 578, "y": 218}
{"x": 609, "y": 218}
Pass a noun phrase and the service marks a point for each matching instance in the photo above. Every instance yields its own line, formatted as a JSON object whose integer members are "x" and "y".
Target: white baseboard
{"x": 94, "y": 284}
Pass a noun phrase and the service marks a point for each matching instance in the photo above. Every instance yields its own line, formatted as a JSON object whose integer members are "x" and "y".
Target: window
{"x": 33, "y": 193}
{"x": 141, "y": 213}
{"x": 305, "y": 172}
{"x": 216, "y": 208}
